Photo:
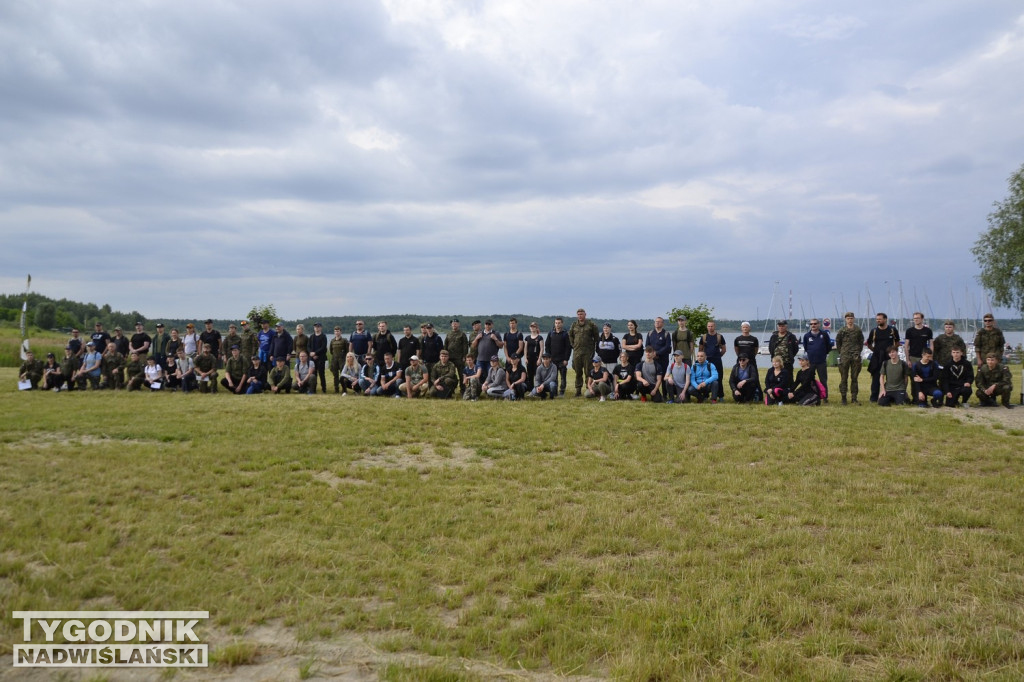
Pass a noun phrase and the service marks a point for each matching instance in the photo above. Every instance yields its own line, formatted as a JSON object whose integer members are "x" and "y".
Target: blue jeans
{"x": 549, "y": 388}
{"x": 256, "y": 387}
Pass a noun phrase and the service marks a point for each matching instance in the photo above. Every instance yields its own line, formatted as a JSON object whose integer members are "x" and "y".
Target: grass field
{"x": 523, "y": 540}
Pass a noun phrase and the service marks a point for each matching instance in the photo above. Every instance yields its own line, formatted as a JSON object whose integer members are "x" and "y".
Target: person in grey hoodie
{"x": 545, "y": 380}
{"x": 496, "y": 384}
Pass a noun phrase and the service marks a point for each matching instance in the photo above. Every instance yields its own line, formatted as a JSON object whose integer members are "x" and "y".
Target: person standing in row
{"x": 880, "y": 340}
{"x": 457, "y": 345}
{"x": 557, "y": 345}
{"x": 747, "y": 344}
{"x": 849, "y": 344}
{"x": 783, "y": 344}
{"x": 583, "y": 339}
{"x": 817, "y": 345}
{"x": 682, "y": 340}
{"x": 318, "y": 355}
{"x": 944, "y": 343}
{"x": 989, "y": 339}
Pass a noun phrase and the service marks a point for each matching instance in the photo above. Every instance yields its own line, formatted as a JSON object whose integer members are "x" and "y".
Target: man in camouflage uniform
{"x": 944, "y": 343}
{"x": 993, "y": 380}
{"x": 112, "y": 366}
{"x": 31, "y": 370}
{"x": 783, "y": 343}
{"x": 234, "y": 372}
{"x": 135, "y": 373}
{"x": 158, "y": 346}
{"x": 206, "y": 370}
{"x": 683, "y": 340}
{"x": 583, "y": 337}
{"x": 339, "y": 349}
{"x": 249, "y": 346}
{"x": 232, "y": 339}
{"x": 443, "y": 378}
{"x": 457, "y": 345}
{"x": 849, "y": 344}
{"x": 989, "y": 339}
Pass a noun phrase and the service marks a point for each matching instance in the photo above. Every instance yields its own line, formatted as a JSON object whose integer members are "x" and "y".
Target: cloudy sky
{"x": 192, "y": 159}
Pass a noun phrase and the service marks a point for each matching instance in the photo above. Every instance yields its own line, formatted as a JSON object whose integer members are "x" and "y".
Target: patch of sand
{"x": 423, "y": 457}
{"x": 279, "y": 655}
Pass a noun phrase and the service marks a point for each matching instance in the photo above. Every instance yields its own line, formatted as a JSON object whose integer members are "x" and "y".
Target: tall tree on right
{"x": 999, "y": 250}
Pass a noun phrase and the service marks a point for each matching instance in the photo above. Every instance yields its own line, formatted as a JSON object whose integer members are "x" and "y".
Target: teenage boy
{"x": 925, "y": 374}
{"x": 893, "y": 375}
{"x": 957, "y": 379}
{"x": 993, "y": 380}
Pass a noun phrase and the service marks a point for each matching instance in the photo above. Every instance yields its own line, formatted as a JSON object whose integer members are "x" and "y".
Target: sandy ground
{"x": 280, "y": 657}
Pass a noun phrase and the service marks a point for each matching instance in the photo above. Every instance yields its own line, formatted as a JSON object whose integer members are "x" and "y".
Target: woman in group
{"x": 777, "y": 383}
{"x": 496, "y": 383}
{"x": 515, "y": 375}
{"x": 173, "y": 344}
{"x": 300, "y": 343}
{"x": 53, "y": 377}
{"x": 191, "y": 340}
{"x": 805, "y": 388}
{"x": 350, "y": 374}
{"x": 623, "y": 378}
{"x": 255, "y": 379}
{"x": 153, "y": 374}
{"x": 633, "y": 344}
{"x": 534, "y": 344}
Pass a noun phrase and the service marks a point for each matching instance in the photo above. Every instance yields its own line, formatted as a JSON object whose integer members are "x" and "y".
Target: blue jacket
{"x": 817, "y": 347}
{"x": 703, "y": 373}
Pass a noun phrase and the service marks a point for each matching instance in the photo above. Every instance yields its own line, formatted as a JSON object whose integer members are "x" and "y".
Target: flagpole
{"x": 24, "y": 320}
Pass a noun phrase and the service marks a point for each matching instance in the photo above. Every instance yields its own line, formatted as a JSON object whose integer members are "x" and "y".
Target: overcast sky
{"x": 192, "y": 159}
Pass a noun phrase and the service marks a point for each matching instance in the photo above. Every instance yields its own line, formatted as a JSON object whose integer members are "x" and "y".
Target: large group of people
{"x": 662, "y": 366}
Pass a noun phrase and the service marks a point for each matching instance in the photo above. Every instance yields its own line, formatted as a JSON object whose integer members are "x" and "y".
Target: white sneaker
{"x": 601, "y": 400}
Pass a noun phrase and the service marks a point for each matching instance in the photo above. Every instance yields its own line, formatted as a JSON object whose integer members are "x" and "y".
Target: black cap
{"x": 742, "y": 356}
{"x": 545, "y": 354}
{"x": 513, "y": 355}
{"x": 476, "y": 321}
{"x": 782, "y": 322}
{"x": 454, "y": 319}
{"x": 208, "y": 322}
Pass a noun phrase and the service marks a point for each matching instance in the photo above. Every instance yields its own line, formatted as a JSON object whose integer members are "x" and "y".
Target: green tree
{"x": 45, "y": 315}
{"x": 999, "y": 251}
{"x": 259, "y": 313}
{"x": 697, "y": 317}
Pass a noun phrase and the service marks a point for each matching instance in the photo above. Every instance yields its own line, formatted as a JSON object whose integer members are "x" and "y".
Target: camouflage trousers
{"x": 849, "y": 368}
{"x": 113, "y": 378}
